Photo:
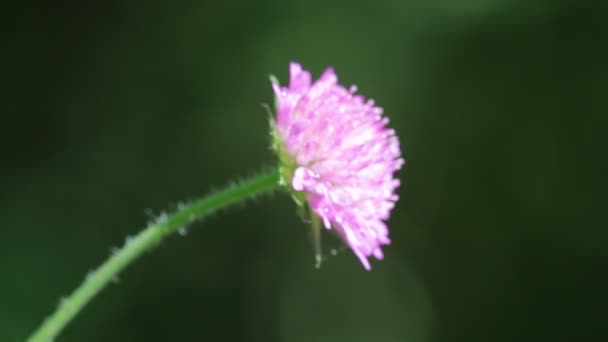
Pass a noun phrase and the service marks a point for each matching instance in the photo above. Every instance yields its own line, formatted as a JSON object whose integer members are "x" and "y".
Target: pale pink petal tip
{"x": 346, "y": 157}
{"x": 299, "y": 80}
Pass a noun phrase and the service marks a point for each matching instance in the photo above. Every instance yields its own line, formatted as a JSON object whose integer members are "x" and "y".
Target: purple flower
{"x": 337, "y": 157}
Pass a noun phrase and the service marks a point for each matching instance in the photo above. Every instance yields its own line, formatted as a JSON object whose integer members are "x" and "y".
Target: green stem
{"x": 149, "y": 237}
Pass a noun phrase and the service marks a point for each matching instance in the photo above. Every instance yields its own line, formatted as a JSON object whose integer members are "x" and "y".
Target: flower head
{"x": 338, "y": 157}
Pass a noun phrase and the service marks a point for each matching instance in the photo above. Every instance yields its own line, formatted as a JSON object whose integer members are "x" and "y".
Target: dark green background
{"x": 115, "y": 111}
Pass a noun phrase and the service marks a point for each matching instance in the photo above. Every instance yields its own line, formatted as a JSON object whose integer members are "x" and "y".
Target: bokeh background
{"x": 114, "y": 111}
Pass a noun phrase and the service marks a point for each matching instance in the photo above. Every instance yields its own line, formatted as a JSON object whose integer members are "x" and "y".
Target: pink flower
{"x": 338, "y": 157}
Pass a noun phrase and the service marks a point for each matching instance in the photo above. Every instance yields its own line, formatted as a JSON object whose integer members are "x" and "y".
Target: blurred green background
{"x": 114, "y": 111}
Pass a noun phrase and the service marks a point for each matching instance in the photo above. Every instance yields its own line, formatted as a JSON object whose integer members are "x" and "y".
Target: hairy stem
{"x": 146, "y": 239}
